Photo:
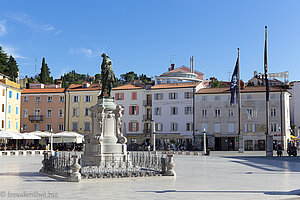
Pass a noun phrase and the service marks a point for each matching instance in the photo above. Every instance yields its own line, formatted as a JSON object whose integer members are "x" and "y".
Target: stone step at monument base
{"x": 97, "y": 160}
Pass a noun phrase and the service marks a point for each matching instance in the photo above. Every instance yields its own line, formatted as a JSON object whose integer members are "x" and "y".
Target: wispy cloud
{"x": 3, "y": 30}
{"x": 32, "y": 23}
{"x": 10, "y": 50}
{"x": 88, "y": 53}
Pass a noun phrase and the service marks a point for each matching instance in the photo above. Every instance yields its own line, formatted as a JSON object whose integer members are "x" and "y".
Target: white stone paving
{"x": 223, "y": 175}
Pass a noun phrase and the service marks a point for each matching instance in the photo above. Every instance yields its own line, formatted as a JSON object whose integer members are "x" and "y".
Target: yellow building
{"x": 79, "y": 98}
{"x": 11, "y": 105}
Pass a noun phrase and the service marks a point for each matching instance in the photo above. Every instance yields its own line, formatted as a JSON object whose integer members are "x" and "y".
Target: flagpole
{"x": 240, "y": 135}
{"x": 269, "y": 138}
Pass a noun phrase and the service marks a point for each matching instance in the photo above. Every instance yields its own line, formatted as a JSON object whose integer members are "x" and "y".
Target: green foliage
{"x": 216, "y": 84}
{"x": 130, "y": 76}
{"x": 73, "y": 77}
{"x": 8, "y": 66}
{"x": 44, "y": 76}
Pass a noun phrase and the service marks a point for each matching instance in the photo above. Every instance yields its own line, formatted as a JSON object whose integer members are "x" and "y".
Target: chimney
{"x": 172, "y": 66}
{"x": 242, "y": 84}
{"x": 169, "y": 69}
{"x": 255, "y": 74}
{"x": 192, "y": 64}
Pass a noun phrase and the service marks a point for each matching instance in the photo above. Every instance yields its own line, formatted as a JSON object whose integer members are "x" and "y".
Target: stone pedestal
{"x": 106, "y": 143}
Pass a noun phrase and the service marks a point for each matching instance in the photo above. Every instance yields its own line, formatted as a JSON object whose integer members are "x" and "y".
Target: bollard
{"x": 170, "y": 166}
{"x": 75, "y": 175}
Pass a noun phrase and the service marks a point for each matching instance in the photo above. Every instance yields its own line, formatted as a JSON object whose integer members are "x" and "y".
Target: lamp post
{"x": 204, "y": 141}
{"x": 153, "y": 133}
{"x": 51, "y": 142}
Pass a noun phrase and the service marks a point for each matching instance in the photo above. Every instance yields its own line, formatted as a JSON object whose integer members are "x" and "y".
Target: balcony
{"x": 147, "y": 103}
{"x": 147, "y": 117}
{"x": 36, "y": 118}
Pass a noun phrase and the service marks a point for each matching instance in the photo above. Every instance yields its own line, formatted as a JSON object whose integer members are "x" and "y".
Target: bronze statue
{"x": 108, "y": 76}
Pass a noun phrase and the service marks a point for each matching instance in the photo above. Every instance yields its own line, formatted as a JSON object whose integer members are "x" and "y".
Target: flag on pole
{"x": 266, "y": 67}
{"x": 233, "y": 85}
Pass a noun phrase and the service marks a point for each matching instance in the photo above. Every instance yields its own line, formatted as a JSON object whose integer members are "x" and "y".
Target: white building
{"x": 172, "y": 112}
{"x": 131, "y": 98}
{"x": 295, "y": 107}
{"x": 220, "y": 119}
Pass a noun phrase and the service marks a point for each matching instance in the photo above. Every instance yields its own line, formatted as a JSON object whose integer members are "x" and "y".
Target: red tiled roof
{"x": 248, "y": 89}
{"x": 78, "y": 87}
{"x": 43, "y": 90}
{"x": 175, "y": 85}
{"x": 128, "y": 87}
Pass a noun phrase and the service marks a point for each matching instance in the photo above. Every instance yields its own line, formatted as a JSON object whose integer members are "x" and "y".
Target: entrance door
{"x": 218, "y": 144}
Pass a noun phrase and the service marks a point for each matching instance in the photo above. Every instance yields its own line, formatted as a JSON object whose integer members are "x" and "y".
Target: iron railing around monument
{"x": 59, "y": 165}
{"x": 137, "y": 164}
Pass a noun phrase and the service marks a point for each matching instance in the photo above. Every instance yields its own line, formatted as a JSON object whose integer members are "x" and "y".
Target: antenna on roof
{"x": 192, "y": 64}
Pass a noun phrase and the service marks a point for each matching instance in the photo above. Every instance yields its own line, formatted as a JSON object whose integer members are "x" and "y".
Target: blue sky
{"x": 143, "y": 35}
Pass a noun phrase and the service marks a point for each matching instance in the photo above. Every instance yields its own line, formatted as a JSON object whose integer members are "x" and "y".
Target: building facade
{"x": 132, "y": 98}
{"x": 10, "y": 105}
{"x": 173, "y": 113}
{"x": 79, "y": 99}
{"x": 219, "y": 119}
{"x": 43, "y": 109}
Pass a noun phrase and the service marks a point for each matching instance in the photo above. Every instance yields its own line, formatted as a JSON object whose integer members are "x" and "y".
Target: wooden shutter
{"x": 137, "y": 110}
{"x": 122, "y": 96}
{"x": 253, "y": 127}
{"x": 116, "y": 96}
{"x": 137, "y": 126}
{"x": 130, "y": 127}
{"x": 130, "y": 110}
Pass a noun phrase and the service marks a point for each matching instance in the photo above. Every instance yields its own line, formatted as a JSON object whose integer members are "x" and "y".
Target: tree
{"x": 129, "y": 76}
{"x": 216, "y": 84}
{"x": 3, "y": 61}
{"x": 44, "y": 76}
{"x": 12, "y": 69}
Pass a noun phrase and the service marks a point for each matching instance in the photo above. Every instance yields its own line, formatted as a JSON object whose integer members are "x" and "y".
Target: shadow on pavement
{"x": 30, "y": 176}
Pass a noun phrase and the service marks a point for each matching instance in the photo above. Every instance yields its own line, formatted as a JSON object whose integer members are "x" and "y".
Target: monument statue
{"x": 107, "y": 76}
{"x": 106, "y": 143}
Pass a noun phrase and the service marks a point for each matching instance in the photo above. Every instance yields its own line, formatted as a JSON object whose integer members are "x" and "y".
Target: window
{"x": 174, "y": 110}
{"x": 2, "y": 123}
{"x": 37, "y": 99}
{"x": 133, "y": 110}
{"x": 189, "y": 126}
{"x": 188, "y": 95}
{"x": 249, "y": 96}
{"x": 217, "y": 127}
{"x": 17, "y": 125}
{"x": 87, "y": 126}
{"x": 158, "y": 127}
{"x": 174, "y": 126}
{"x": 230, "y": 112}
{"x": 273, "y": 112}
{"x": 9, "y": 124}
{"x": 133, "y": 126}
{"x": 204, "y": 113}
{"x": 75, "y": 112}
{"x": 49, "y": 127}
{"x": 24, "y": 127}
{"x": 17, "y": 110}
{"x": 17, "y": 96}
{"x": 157, "y": 111}
{"x": 249, "y": 127}
{"x": 168, "y": 81}
{"x": 9, "y": 108}
{"x": 88, "y": 98}
{"x": 249, "y": 113}
{"x": 86, "y": 113}
{"x": 217, "y": 98}
{"x": 274, "y": 127}
{"x": 204, "y": 127}
{"x": 36, "y": 127}
{"x": 49, "y": 99}
{"x": 76, "y": 99}
{"x": 217, "y": 112}
{"x": 230, "y": 127}
{"x": 61, "y": 113}
{"x": 158, "y": 96}
{"x": 173, "y": 95}
{"x": 25, "y": 99}
{"x": 10, "y": 94}
{"x": 119, "y": 96}
{"x": 74, "y": 127}
{"x": 60, "y": 127}
{"x": 133, "y": 141}
{"x": 61, "y": 99}
{"x": 204, "y": 98}
{"x": 37, "y": 112}
{"x": 188, "y": 110}
{"x": 3, "y": 92}
{"x": 2, "y": 107}
{"x": 49, "y": 113}
{"x": 133, "y": 96}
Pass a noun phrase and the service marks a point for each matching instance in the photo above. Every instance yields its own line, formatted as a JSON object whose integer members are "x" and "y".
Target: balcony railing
{"x": 36, "y": 118}
{"x": 147, "y": 117}
{"x": 147, "y": 103}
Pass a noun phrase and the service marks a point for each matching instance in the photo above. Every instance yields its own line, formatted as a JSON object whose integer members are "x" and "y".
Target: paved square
{"x": 223, "y": 175}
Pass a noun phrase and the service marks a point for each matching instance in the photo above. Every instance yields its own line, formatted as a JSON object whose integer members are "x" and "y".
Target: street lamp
{"x": 153, "y": 133}
{"x": 204, "y": 141}
{"x": 51, "y": 142}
